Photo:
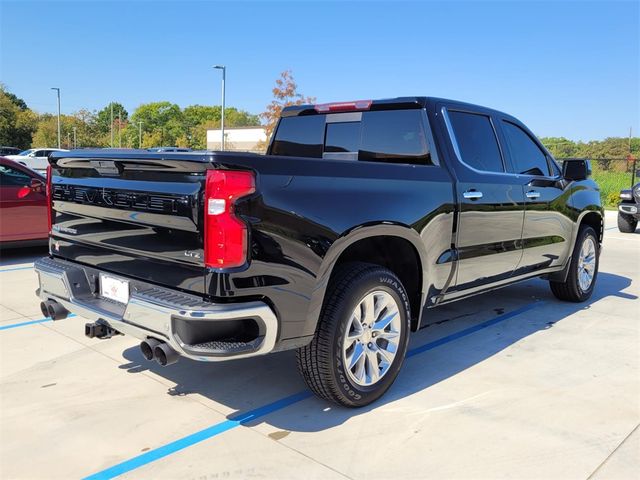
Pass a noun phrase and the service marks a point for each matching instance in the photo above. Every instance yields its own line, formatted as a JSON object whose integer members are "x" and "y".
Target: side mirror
{"x": 576, "y": 169}
{"x": 36, "y": 184}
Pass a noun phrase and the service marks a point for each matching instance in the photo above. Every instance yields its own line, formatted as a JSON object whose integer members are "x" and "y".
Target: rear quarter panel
{"x": 302, "y": 220}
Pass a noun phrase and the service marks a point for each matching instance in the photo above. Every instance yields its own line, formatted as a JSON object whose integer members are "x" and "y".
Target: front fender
{"x": 584, "y": 200}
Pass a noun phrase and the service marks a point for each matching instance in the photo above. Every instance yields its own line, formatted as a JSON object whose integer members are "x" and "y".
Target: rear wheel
{"x": 626, "y": 223}
{"x": 583, "y": 269}
{"x": 361, "y": 339}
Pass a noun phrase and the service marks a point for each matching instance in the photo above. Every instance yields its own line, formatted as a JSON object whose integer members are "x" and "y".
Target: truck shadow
{"x": 247, "y": 384}
{"x": 17, "y": 256}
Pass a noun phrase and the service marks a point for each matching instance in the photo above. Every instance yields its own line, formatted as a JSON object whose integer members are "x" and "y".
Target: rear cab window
{"x": 392, "y": 136}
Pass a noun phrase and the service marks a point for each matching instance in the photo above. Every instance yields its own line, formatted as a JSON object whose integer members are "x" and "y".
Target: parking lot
{"x": 509, "y": 384}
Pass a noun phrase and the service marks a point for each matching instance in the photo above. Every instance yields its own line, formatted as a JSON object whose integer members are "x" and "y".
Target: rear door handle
{"x": 533, "y": 194}
{"x": 472, "y": 194}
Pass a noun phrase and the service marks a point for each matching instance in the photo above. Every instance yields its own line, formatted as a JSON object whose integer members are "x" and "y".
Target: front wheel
{"x": 361, "y": 339}
{"x": 583, "y": 269}
{"x": 626, "y": 223}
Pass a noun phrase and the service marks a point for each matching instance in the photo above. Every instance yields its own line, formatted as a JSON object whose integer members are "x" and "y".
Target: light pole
{"x": 224, "y": 71}
{"x": 75, "y": 143}
{"x": 58, "y": 90}
{"x": 119, "y": 132}
{"x": 139, "y": 134}
{"x": 112, "y": 124}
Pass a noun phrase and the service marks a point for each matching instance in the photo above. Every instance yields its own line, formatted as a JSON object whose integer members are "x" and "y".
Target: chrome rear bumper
{"x": 155, "y": 312}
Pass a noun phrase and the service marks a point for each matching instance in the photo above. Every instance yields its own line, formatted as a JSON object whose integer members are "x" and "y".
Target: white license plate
{"x": 114, "y": 288}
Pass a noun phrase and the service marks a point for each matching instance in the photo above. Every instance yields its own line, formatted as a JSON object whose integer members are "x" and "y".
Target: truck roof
{"x": 380, "y": 104}
{"x": 132, "y": 155}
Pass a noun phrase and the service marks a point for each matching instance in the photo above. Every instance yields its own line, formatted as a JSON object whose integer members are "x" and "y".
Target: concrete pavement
{"x": 551, "y": 392}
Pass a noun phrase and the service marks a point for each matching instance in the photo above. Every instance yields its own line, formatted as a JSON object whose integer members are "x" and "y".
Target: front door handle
{"x": 472, "y": 194}
{"x": 533, "y": 194}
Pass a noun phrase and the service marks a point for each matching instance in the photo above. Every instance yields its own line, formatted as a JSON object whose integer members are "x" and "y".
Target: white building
{"x": 238, "y": 139}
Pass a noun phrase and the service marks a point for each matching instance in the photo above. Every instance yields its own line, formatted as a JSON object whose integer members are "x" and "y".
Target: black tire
{"x": 321, "y": 362}
{"x": 626, "y": 223}
{"x": 570, "y": 290}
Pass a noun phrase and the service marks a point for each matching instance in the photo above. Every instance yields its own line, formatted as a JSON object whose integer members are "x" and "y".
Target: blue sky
{"x": 567, "y": 68}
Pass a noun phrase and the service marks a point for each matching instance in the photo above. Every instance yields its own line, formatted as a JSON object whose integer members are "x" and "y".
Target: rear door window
{"x": 526, "y": 156}
{"x": 476, "y": 141}
{"x": 300, "y": 136}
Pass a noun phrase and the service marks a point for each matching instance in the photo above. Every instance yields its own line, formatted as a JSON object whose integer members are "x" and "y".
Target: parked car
{"x": 23, "y": 206}
{"x": 35, "y": 158}
{"x": 361, "y": 218}
{"x": 4, "y": 151}
{"x": 168, "y": 149}
{"x": 629, "y": 209}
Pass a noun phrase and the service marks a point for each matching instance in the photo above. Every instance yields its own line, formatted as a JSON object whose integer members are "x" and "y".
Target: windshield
{"x": 26, "y": 152}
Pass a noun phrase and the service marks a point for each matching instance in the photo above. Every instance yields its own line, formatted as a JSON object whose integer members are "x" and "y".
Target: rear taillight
{"x": 225, "y": 235}
{"x": 49, "y": 193}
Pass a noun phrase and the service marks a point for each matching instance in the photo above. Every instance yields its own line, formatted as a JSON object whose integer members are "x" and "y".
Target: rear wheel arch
{"x": 389, "y": 246}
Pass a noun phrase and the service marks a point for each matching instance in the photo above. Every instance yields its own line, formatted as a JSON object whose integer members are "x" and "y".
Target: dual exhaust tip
{"x": 53, "y": 310}
{"x": 162, "y": 353}
{"x": 151, "y": 348}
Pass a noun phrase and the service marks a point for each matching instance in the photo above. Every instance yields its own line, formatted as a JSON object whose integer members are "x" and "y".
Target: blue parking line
{"x": 30, "y": 322}
{"x": 474, "y": 329}
{"x": 182, "y": 443}
{"x": 24, "y": 324}
{"x": 241, "y": 419}
{"x": 30, "y": 267}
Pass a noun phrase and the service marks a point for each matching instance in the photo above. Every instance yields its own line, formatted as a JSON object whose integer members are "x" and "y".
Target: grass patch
{"x": 611, "y": 182}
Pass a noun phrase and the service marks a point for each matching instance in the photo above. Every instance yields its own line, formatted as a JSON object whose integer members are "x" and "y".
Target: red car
{"x": 23, "y": 206}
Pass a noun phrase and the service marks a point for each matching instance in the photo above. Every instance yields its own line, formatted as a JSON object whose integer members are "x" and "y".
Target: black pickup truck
{"x": 629, "y": 209}
{"x": 361, "y": 217}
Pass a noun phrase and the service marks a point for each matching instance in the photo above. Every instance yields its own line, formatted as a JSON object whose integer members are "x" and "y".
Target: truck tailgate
{"x": 134, "y": 216}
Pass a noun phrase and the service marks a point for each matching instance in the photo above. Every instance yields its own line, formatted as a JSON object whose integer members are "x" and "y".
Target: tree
{"x": 197, "y": 114}
{"x": 285, "y": 93}
{"x": 164, "y": 118}
{"x": 87, "y": 134}
{"x": 611, "y": 147}
{"x": 198, "y": 119}
{"x": 103, "y": 119}
{"x": 18, "y": 102}
{"x": 17, "y": 122}
{"x": 46, "y": 134}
